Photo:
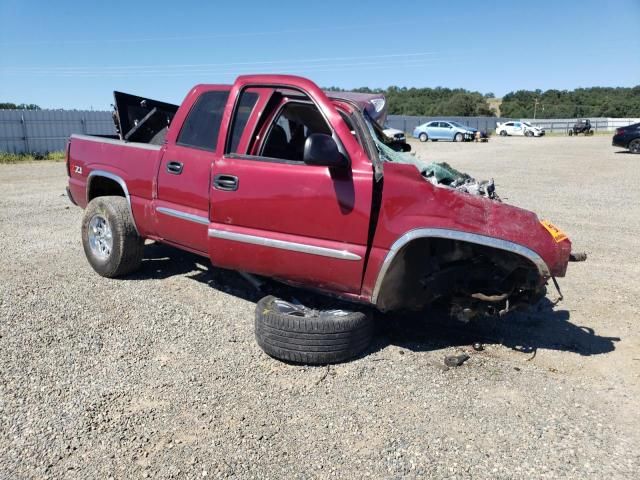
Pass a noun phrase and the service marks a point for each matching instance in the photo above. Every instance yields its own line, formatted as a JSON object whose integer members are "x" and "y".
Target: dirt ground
{"x": 588, "y": 189}
{"x": 158, "y": 375}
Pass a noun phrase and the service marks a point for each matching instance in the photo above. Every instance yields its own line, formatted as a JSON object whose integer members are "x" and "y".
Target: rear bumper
{"x": 619, "y": 141}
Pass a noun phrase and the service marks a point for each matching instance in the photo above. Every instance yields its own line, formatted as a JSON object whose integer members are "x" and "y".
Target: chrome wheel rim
{"x": 298, "y": 310}
{"x": 100, "y": 237}
{"x": 635, "y": 146}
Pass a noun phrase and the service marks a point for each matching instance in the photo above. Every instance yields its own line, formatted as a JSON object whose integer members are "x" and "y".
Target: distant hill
{"x": 495, "y": 104}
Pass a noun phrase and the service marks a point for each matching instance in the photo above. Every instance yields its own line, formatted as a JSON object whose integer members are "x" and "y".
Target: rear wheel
{"x": 634, "y": 146}
{"x": 109, "y": 237}
{"x": 458, "y": 137}
{"x": 423, "y": 137}
{"x": 503, "y": 133}
{"x": 295, "y": 333}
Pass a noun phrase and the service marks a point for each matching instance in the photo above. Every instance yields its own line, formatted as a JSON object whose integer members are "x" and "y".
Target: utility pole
{"x": 535, "y": 108}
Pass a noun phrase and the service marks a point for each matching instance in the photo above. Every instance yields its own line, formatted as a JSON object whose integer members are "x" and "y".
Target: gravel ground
{"x": 159, "y": 376}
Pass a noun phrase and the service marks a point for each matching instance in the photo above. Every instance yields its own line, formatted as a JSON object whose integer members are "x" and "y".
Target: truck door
{"x": 273, "y": 214}
{"x": 182, "y": 203}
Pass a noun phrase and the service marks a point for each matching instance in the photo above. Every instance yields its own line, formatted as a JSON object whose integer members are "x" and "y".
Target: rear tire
{"x": 423, "y": 137}
{"x": 298, "y": 334}
{"x": 109, "y": 237}
{"x": 634, "y": 146}
{"x": 503, "y": 133}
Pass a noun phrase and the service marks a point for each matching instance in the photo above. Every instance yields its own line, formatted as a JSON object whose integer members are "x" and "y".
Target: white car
{"x": 394, "y": 134}
{"x": 518, "y": 128}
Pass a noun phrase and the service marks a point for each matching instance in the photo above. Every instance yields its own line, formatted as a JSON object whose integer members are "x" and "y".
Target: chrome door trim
{"x": 456, "y": 235}
{"x": 183, "y": 215}
{"x": 284, "y": 245}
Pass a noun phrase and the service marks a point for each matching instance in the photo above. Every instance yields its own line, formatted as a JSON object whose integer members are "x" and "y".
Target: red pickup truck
{"x": 273, "y": 176}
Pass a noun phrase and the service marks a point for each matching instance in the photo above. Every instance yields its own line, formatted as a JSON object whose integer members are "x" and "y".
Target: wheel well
{"x": 103, "y": 186}
{"x": 427, "y": 269}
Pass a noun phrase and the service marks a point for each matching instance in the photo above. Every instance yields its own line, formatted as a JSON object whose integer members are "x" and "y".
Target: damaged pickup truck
{"x": 274, "y": 177}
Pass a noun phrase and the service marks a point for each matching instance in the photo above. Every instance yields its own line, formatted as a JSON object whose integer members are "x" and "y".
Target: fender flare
{"x": 484, "y": 240}
{"x": 119, "y": 181}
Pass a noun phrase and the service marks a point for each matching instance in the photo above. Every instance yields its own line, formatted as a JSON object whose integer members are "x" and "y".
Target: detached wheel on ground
{"x": 109, "y": 237}
{"x": 298, "y": 334}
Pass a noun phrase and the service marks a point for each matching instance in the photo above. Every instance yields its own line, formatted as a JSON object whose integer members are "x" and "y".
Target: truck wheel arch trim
{"x": 119, "y": 181}
{"x": 498, "y": 243}
{"x": 284, "y": 245}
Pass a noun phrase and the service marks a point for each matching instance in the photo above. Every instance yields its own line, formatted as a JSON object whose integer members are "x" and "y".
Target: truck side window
{"x": 201, "y": 127}
{"x": 245, "y": 107}
{"x": 287, "y": 135}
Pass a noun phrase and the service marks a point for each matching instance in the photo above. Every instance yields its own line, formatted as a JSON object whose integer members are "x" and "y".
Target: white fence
{"x": 601, "y": 124}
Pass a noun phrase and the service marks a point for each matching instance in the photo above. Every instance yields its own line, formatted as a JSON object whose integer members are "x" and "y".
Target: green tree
{"x": 21, "y": 106}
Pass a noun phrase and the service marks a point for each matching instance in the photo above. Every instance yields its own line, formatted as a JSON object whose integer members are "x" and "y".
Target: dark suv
{"x": 628, "y": 137}
{"x": 581, "y": 126}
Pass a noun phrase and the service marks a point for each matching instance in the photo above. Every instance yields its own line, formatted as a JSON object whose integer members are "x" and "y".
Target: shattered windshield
{"x": 438, "y": 174}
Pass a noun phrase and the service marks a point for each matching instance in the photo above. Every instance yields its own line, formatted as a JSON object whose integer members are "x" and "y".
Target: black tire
{"x": 126, "y": 249}
{"x": 297, "y": 334}
{"x": 634, "y": 146}
{"x": 570, "y": 133}
{"x": 458, "y": 137}
{"x": 529, "y": 133}
{"x": 423, "y": 137}
{"x": 503, "y": 133}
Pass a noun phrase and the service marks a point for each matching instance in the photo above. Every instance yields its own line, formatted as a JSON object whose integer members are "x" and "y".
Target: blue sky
{"x": 72, "y": 54}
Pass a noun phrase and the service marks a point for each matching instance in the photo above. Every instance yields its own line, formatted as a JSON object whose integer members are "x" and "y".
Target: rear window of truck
{"x": 201, "y": 127}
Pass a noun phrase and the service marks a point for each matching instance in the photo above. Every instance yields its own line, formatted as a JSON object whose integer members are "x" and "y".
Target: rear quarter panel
{"x": 135, "y": 164}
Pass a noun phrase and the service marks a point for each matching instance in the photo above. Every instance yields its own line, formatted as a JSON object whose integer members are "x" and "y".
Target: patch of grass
{"x": 31, "y": 157}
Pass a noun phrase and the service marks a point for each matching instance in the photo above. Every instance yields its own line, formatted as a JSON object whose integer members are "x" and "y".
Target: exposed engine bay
{"x": 471, "y": 279}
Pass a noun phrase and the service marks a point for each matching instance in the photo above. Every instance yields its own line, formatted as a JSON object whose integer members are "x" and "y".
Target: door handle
{"x": 175, "y": 168}
{"x": 225, "y": 182}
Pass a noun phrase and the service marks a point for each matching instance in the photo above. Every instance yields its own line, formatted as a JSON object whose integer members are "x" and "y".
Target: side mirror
{"x": 321, "y": 149}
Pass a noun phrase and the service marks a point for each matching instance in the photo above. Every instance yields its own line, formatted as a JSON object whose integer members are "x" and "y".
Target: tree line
{"x": 432, "y": 102}
{"x": 20, "y": 106}
{"x": 581, "y": 102}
